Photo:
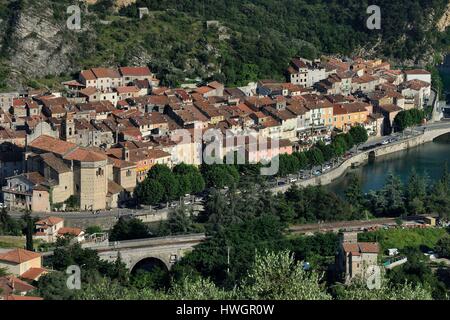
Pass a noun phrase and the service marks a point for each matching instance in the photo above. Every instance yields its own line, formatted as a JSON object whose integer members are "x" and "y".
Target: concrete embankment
{"x": 363, "y": 158}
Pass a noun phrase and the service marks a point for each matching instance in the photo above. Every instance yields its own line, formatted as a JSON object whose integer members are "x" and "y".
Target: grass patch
{"x": 11, "y": 242}
{"x": 402, "y": 238}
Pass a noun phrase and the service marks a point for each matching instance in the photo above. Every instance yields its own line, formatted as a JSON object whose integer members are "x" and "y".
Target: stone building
{"x": 354, "y": 258}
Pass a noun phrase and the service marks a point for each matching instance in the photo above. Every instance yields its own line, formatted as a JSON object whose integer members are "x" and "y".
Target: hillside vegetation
{"x": 254, "y": 38}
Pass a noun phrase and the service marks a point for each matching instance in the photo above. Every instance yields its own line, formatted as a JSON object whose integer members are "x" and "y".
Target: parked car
{"x": 317, "y": 173}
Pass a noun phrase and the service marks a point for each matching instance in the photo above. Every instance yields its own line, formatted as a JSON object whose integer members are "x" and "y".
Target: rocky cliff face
{"x": 444, "y": 22}
{"x": 38, "y": 45}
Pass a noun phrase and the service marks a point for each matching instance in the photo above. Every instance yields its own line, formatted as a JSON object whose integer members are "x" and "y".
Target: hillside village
{"x": 93, "y": 142}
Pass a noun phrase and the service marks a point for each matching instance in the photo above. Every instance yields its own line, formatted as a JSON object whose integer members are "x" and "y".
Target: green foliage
{"x": 164, "y": 185}
{"x": 179, "y": 221}
{"x": 129, "y": 229}
{"x": 417, "y": 272}
{"x": 277, "y": 276}
{"x": 194, "y": 182}
{"x": 359, "y": 134}
{"x": 29, "y": 230}
{"x": 408, "y": 118}
{"x": 288, "y": 165}
{"x": 443, "y": 247}
{"x": 156, "y": 279}
{"x": 312, "y": 204}
{"x": 220, "y": 175}
{"x": 8, "y": 225}
{"x": 149, "y": 192}
{"x": 53, "y": 286}
{"x": 406, "y": 291}
{"x": 93, "y": 229}
{"x": 404, "y": 238}
{"x": 72, "y": 202}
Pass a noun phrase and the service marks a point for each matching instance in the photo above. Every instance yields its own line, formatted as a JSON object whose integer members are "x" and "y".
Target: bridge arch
{"x": 444, "y": 137}
{"x": 149, "y": 263}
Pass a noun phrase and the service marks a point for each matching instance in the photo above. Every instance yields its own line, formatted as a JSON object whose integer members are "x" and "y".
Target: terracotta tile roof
{"x": 50, "y": 221}
{"x": 89, "y": 91}
{"x": 105, "y": 73}
{"x": 84, "y": 155}
{"x": 55, "y": 163}
{"x": 415, "y": 84}
{"x": 71, "y": 231}
{"x": 135, "y": 71}
{"x": 390, "y": 108}
{"x": 34, "y": 273}
{"x": 417, "y": 71}
{"x": 127, "y": 89}
{"x": 50, "y": 144}
{"x": 10, "y": 284}
{"x": 361, "y": 247}
{"x": 215, "y": 85}
{"x": 88, "y": 75}
{"x": 203, "y": 90}
{"x": 19, "y": 256}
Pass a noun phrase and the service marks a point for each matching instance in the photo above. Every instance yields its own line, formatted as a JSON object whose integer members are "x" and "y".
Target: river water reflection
{"x": 427, "y": 159}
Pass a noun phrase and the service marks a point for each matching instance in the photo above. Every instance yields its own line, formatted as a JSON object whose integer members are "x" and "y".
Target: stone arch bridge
{"x": 163, "y": 251}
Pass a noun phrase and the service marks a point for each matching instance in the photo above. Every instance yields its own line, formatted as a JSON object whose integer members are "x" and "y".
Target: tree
{"x": 28, "y": 231}
{"x": 392, "y": 194}
{"x": 166, "y": 178}
{"x": 359, "y": 134}
{"x": 277, "y": 276}
{"x": 443, "y": 247}
{"x": 129, "y": 229}
{"x": 194, "y": 182}
{"x": 415, "y": 193}
{"x": 220, "y": 175}
{"x": 289, "y": 164}
{"x": 149, "y": 192}
{"x": 302, "y": 159}
{"x": 327, "y": 150}
{"x": 354, "y": 194}
{"x": 359, "y": 291}
{"x": 438, "y": 200}
{"x": 179, "y": 221}
{"x": 53, "y": 286}
{"x": 315, "y": 156}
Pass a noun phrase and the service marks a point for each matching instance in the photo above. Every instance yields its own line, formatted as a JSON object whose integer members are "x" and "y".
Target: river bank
{"x": 363, "y": 158}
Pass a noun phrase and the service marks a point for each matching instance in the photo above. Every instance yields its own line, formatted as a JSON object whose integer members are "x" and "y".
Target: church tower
{"x": 68, "y": 128}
